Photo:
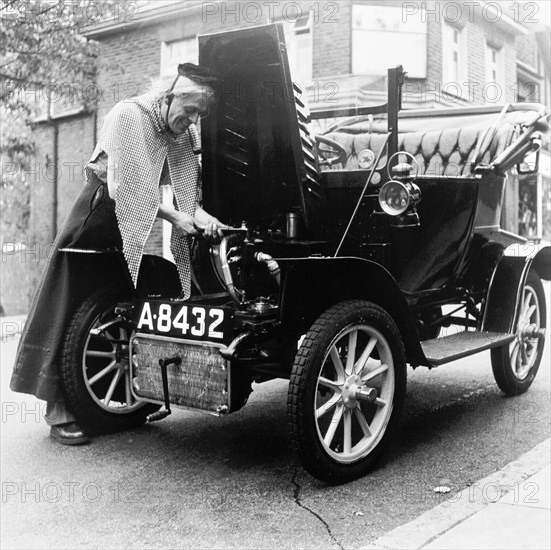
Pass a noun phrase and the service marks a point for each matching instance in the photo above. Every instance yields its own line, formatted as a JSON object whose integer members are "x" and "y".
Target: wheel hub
{"x": 121, "y": 353}
{"x": 530, "y": 331}
{"x": 354, "y": 390}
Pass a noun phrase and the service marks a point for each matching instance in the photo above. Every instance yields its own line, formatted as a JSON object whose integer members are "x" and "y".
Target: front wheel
{"x": 515, "y": 365}
{"x": 95, "y": 366}
{"x": 346, "y": 391}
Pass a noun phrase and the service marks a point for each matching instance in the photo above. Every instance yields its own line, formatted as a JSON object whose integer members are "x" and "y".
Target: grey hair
{"x": 184, "y": 86}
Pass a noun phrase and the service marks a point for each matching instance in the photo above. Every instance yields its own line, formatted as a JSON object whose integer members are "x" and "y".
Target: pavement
{"x": 510, "y": 508}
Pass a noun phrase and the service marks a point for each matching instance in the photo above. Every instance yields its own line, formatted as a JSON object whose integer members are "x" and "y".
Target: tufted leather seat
{"x": 446, "y": 152}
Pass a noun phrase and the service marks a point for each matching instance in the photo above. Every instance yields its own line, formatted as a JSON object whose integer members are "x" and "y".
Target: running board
{"x": 462, "y": 344}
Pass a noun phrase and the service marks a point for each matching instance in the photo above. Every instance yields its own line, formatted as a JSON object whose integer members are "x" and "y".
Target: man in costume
{"x": 145, "y": 141}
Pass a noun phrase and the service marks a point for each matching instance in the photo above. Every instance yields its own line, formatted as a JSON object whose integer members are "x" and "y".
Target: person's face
{"x": 182, "y": 112}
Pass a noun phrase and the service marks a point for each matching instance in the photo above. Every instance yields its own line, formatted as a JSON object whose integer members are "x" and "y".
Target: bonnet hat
{"x": 202, "y": 76}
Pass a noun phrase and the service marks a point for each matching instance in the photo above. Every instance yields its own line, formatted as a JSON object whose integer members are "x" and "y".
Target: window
{"x": 383, "y": 38}
{"x": 176, "y": 52}
{"x": 298, "y": 37}
{"x": 454, "y": 58}
{"x": 58, "y": 101}
{"x": 528, "y": 90}
{"x": 494, "y": 65}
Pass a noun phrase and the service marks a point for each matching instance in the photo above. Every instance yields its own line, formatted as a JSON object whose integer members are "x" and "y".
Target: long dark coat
{"x": 66, "y": 281}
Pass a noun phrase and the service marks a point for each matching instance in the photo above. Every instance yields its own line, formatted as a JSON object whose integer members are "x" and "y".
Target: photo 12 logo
{"x": 470, "y": 92}
{"x": 454, "y": 12}
{"x": 86, "y": 13}
{"x": 268, "y": 11}
{"x": 68, "y": 491}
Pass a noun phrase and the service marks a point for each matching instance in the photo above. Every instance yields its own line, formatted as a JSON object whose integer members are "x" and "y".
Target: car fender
{"x": 312, "y": 285}
{"x": 158, "y": 276}
{"x": 507, "y": 282}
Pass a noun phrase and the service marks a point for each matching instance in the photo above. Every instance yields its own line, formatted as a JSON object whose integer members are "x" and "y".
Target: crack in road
{"x": 296, "y": 496}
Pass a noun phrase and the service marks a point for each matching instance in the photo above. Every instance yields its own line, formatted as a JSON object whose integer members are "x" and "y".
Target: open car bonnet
{"x": 257, "y": 153}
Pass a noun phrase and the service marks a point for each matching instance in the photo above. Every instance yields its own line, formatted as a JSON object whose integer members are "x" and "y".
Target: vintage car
{"x": 350, "y": 255}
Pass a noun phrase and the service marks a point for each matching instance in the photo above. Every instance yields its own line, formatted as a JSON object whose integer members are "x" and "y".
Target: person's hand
{"x": 208, "y": 225}
{"x": 184, "y": 224}
{"x": 211, "y": 228}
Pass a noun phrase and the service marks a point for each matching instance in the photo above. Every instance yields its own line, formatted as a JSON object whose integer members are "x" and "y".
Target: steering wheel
{"x": 333, "y": 153}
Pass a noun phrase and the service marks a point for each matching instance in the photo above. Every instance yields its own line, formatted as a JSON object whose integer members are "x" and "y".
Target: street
{"x": 197, "y": 481}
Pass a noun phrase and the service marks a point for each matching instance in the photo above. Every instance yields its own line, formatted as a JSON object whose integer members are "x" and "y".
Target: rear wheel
{"x": 95, "y": 366}
{"x": 346, "y": 390}
{"x": 515, "y": 365}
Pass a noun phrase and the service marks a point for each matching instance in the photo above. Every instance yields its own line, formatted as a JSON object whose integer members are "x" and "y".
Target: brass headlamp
{"x": 400, "y": 194}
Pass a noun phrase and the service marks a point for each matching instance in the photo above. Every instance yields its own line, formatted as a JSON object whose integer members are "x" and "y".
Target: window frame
{"x": 169, "y": 66}
{"x": 497, "y": 65}
{"x": 420, "y": 30}
{"x": 461, "y": 52}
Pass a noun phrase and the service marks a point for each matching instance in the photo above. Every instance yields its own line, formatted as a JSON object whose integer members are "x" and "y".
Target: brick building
{"x": 456, "y": 54}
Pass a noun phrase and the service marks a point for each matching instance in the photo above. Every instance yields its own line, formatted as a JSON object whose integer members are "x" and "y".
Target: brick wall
{"x": 332, "y": 41}
{"x": 434, "y": 56}
{"x": 475, "y": 61}
{"x": 128, "y": 64}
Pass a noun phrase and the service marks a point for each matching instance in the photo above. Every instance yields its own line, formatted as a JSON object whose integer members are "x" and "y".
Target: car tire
{"x": 94, "y": 368}
{"x": 516, "y": 364}
{"x": 338, "y": 434}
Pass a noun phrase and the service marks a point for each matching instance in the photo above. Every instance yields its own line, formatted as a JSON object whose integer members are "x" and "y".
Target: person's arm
{"x": 182, "y": 223}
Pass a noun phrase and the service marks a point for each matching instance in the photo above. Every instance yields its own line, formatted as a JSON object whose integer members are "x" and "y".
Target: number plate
{"x": 189, "y": 321}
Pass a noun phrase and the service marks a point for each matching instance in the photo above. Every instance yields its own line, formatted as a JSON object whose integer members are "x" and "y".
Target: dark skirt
{"x": 66, "y": 281}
